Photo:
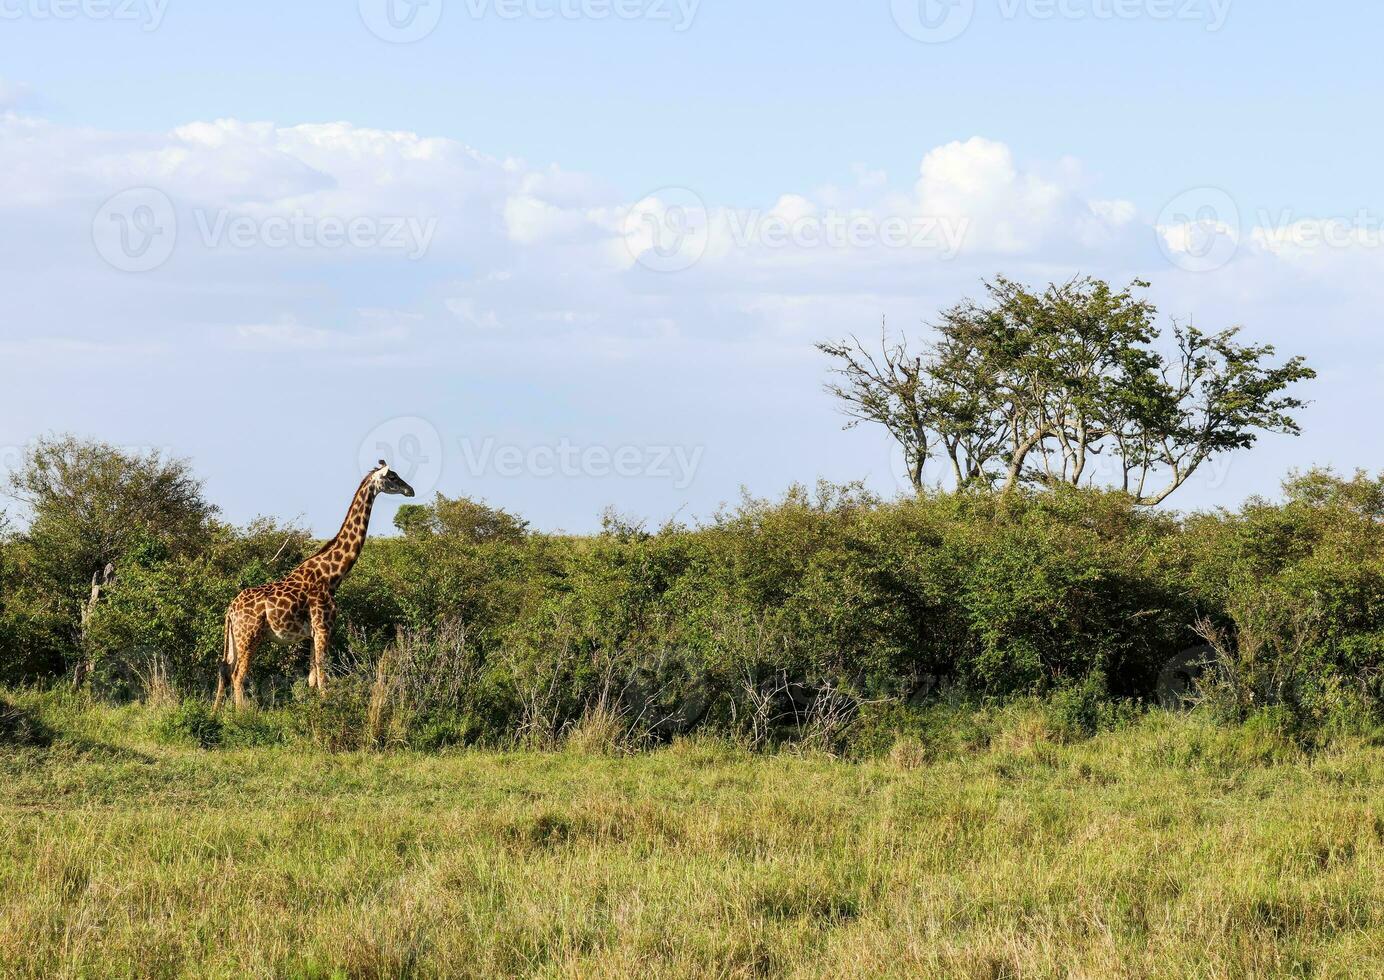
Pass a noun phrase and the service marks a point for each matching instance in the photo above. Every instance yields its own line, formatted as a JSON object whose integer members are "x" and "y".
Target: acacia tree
{"x": 88, "y": 505}
{"x": 1034, "y": 387}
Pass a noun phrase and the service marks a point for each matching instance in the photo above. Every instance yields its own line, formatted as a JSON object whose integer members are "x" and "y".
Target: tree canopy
{"x": 90, "y": 503}
{"x": 1066, "y": 386}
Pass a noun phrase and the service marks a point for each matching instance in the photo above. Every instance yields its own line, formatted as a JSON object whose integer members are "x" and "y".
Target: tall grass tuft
{"x": 155, "y": 683}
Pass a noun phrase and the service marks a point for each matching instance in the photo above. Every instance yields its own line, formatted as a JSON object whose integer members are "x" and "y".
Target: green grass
{"x": 1170, "y": 848}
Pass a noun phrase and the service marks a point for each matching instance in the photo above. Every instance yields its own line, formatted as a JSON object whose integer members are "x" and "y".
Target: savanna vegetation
{"x": 987, "y": 845}
{"x": 823, "y": 616}
{"x": 954, "y": 734}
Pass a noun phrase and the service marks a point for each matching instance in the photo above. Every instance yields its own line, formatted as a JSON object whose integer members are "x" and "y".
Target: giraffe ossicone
{"x": 301, "y": 604}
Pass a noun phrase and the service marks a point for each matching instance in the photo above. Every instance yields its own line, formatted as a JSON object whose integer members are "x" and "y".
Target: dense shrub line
{"x": 820, "y": 616}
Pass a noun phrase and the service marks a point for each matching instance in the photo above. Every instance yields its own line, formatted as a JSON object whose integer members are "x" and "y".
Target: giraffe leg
{"x": 248, "y": 646}
{"x": 316, "y": 669}
{"x": 241, "y": 669}
{"x": 323, "y": 614}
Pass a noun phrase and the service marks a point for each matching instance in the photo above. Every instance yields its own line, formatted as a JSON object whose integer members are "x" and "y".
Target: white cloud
{"x": 1009, "y": 210}
{"x": 531, "y": 220}
{"x": 376, "y": 329}
{"x": 467, "y": 312}
{"x": 534, "y": 253}
{"x": 1116, "y": 212}
{"x": 285, "y": 334}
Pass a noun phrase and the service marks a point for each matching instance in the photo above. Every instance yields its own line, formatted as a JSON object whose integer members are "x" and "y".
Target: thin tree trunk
{"x": 85, "y": 665}
{"x": 1016, "y": 462}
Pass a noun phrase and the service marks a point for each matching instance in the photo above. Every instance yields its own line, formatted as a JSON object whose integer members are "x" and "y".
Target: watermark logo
{"x": 411, "y": 446}
{"x": 136, "y": 230}
{"x": 933, "y": 475}
{"x": 933, "y": 21}
{"x": 1199, "y": 229}
{"x": 147, "y": 13}
{"x": 400, "y": 21}
{"x": 668, "y": 230}
{"x": 1178, "y": 678}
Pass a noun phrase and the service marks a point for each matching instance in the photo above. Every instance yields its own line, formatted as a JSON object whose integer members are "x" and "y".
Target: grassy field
{"x": 1171, "y": 848}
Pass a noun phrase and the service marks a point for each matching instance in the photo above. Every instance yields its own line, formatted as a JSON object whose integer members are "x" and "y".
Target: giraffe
{"x": 301, "y": 604}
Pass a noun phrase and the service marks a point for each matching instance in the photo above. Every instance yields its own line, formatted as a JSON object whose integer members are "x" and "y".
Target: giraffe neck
{"x": 338, "y": 555}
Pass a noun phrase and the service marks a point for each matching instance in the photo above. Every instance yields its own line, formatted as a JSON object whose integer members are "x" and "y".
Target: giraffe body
{"x": 301, "y": 605}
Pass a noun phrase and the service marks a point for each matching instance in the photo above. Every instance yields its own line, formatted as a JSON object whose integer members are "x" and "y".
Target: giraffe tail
{"x": 227, "y": 657}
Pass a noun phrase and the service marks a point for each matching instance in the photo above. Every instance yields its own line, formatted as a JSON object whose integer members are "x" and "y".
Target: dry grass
{"x": 1173, "y": 849}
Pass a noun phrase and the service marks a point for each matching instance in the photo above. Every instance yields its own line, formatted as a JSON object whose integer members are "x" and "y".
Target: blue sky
{"x": 488, "y": 318}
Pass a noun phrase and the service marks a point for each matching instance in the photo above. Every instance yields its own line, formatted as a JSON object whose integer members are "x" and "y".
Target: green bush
{"x": 877, "y": 727}
{"x": 1081, "y": 710}
{"x": 338, "y": 719}
{"x": 190, "y": 723}
{"x": 819, "y": 615}
{"x": 249, "y": 728}
{"x": 431, "y": 733}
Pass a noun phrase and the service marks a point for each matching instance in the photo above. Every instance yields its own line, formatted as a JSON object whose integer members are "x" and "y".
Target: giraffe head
{"x": 387, "y": 481}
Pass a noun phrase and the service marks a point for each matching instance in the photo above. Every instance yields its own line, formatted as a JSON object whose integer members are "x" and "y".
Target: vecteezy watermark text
{"x": 672, "y": 229}
{"x": 939, "y": 21}
{"x": 147, "y": 13}
{"x": 408, "y": 234}
{"x": 1210, "y": 13}
{"x": 419, "y": 453}
{"x": 1200, "y": 230}
{"x": 406, "y": 21}
{"x": 678, "y": 13}
{"x": 1363, "y": 229}
{"x": 842, "y": 230}
{"x": 137, "y": 230}
{"x": 568, "y": 460}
